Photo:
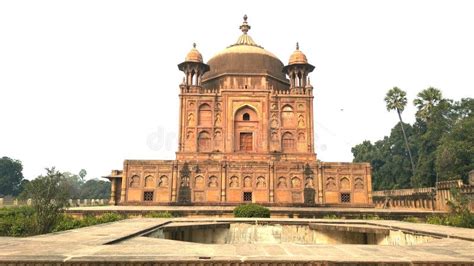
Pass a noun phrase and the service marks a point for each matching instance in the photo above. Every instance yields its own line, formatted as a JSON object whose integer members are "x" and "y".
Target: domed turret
{"x": 193, "y": 67}
{"x": 194, "y": 55}
{"x": 297, "y": 57}
{"x": 298, "y": 69}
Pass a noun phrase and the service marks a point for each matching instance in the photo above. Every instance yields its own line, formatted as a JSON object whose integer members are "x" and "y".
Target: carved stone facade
{"x": 246, "y": 135}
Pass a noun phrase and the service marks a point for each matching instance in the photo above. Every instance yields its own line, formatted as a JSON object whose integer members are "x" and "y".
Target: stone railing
{"x": 420, "y": 198}
{"x": 430, "y": 198}
{"x": 72, "y": 202}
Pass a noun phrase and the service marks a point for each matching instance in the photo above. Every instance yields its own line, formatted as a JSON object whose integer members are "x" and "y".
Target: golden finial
{"x": 245, "y": 27}
{"x": 297, "y": 46}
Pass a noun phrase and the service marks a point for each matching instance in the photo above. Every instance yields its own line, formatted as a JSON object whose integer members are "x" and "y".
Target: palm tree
{"x": 427, "y": 99}
{"x": 396, "y": 100}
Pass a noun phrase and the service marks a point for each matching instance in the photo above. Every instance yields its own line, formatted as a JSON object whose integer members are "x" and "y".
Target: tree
{"x": 435, "y": 117}
{"x": 74, "y": 183}
{"x": 426, "y": 101}
{"x": 455, "y": 154}
{"x": 95, "y": 189}
{"x": 391, "y": 168}
{"x": 396, "y": 100}
{"x": 11, "y": 176}
{"x": 82, "y": 175}
{"x": 49, "y": 195}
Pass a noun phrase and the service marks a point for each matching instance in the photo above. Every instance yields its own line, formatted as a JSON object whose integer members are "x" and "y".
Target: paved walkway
{"x": 109, "y": 243}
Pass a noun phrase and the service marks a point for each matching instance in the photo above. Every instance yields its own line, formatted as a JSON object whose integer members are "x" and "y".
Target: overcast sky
{"x": 87, "y": 84}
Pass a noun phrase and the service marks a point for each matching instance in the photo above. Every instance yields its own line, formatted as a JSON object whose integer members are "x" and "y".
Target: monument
{"x": 246, "y": 135}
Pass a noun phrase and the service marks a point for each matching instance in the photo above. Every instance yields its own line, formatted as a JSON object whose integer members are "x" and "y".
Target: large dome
{"x": 245, "y": 57}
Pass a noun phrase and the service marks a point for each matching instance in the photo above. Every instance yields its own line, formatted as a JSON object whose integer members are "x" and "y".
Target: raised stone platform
{"x": 122, "y": 242}
{"x": 276, "y": 212}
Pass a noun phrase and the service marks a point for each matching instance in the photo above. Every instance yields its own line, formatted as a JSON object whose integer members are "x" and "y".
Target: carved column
{"x": 369, "y": 184}
{"x": 124, "y": 183}
{"x": 320, "y": 183}
{"x": 223, "y": 181}
{"x": 271, "y": 168}
{"x": 174, "y": 177}
{"x": 112, "y": 191}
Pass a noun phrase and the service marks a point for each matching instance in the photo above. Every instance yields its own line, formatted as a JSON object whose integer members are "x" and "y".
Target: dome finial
{"x": 245, "y": 27}
{"x": 297, "y": 45}
{"x": 194, "y": 45}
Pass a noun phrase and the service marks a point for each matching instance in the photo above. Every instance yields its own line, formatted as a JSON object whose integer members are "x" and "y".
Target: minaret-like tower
{"x": 298, "y": 69}
{"x": 193, "y": 68}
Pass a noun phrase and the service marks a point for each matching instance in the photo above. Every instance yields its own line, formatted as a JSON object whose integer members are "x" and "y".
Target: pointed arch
{"x": 287, "y": 116}
{"x": 135, "y": 181}
{"x": 204, "y": 142}
{"x": 149, "y": 181}
{"x": 246, "y": 108}
{"x": 199, "y": 182}
{"x": 288, "y": 142}
{"x": 345, "y": 183}
{"x": 295, "y": 182}
{"x": 205, "y": 115}
{"x": 163, "y": 182}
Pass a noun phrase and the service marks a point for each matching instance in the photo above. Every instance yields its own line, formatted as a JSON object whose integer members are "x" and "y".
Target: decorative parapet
{"x": 435, "y": 198}
{"x": 198, "y": 90}
{"x": 72, "y": 202}
{"x": 403, "y": 192}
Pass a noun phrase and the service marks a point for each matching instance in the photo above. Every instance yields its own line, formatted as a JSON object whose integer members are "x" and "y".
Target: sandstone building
{"x": 246, "y": 135}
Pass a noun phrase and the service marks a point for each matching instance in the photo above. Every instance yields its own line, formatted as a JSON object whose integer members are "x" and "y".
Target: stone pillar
{"x": 112, "y": 191}
{"x": 15, "y": 202}
{"x": 271, "y": 182}
{"x": 369, "y": 183}
{"x": 174, "y": 178}
{"x": 320, "y": 183}
{"x": 1, "y": 202}
{"x": 223, "y": 181}
{"x": 124, "y": 182}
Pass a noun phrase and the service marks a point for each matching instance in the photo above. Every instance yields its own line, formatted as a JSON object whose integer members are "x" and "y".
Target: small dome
{"x": 194, "y": 55}
{"x": 298, "y": 57}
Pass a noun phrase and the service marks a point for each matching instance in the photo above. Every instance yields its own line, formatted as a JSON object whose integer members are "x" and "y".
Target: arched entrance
{"x": 246, "y": 129}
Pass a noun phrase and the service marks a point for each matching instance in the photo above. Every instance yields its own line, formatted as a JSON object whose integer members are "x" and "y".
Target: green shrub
{"x": 251, "y": 210}
{"x": 411, "y": 219}
{"x": 16, "y": 221}
{"x": 159, "y": 215}
{"x": 459, "y": 220}
{"x": 67, "y": 222}
{"x": 109, "y": 217}
{"x": 370, "y": 217}
{"x": 330, "y": 216}
{"x": 459, "y": 216}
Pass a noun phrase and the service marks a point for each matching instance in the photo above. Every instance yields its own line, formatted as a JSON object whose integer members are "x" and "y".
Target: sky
{"x": 87, "y": 84}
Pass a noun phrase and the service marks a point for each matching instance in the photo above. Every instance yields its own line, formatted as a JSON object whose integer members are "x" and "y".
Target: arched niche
{"x": 246, "y": 129}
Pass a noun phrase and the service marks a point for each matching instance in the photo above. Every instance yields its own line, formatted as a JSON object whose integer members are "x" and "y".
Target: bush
{"x": 458, "y": 220}
{"x": 251, "y": 210}
{"x": 330, "y": 216}
{"x": 67, "y": 222}
{"x": 16, "y": 221}
{"x": 159, "y": 215}
{"x": 411, "y": 219}
{"x": 460, "y": 215}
